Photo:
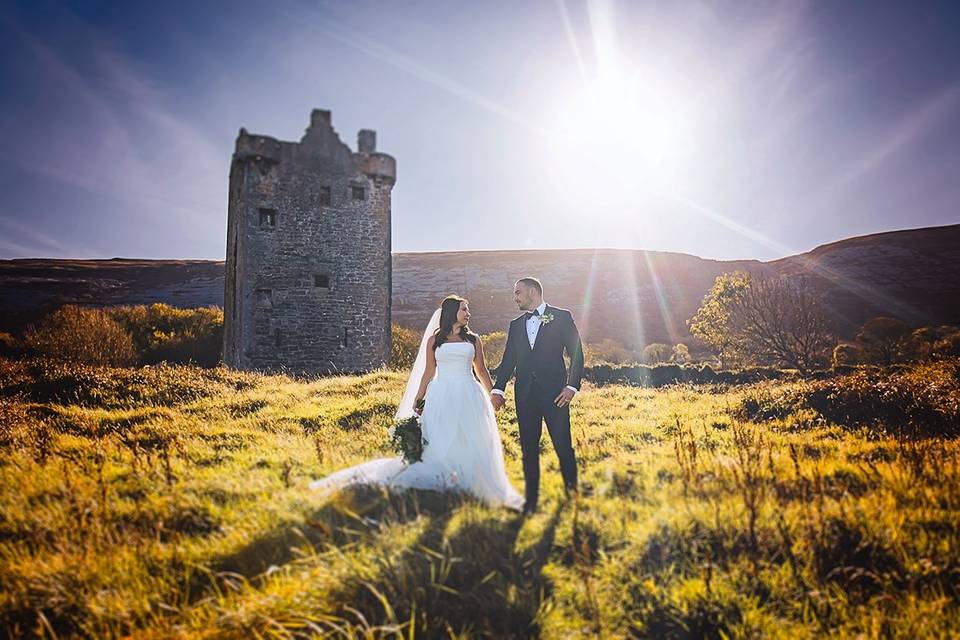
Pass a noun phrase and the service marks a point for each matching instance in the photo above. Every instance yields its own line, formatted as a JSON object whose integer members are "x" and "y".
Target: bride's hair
{"x": 448, "y": 316}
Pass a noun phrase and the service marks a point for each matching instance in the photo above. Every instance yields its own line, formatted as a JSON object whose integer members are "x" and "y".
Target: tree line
{"x": 764, "y": 320}
{"x": 743, "y": 321}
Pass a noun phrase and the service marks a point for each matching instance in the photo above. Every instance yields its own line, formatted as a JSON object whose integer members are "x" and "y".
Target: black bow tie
{"x": 535, "y": 312}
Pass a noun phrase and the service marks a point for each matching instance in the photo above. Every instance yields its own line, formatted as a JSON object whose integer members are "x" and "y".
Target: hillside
{"x": 637, "y": 296}
{"x": 913, "y": 275}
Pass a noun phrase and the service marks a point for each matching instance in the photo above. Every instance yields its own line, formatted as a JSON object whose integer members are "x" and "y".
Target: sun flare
{"x": 624, "y": 131}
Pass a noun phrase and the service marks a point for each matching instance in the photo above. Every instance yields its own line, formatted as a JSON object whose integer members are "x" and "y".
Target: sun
{"x": 626, "y": 132}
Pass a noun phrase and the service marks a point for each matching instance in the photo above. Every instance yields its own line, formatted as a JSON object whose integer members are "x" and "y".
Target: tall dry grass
{"x": 173, "y": 502}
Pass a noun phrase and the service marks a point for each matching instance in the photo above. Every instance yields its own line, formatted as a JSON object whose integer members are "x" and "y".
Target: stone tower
{"x": 308, "y": 278}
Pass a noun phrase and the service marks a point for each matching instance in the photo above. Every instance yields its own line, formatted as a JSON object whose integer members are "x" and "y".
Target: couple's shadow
{"x": 462, "y": 569}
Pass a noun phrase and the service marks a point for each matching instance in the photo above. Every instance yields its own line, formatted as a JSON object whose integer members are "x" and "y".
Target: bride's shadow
{"x": 352, "y": 514}
{"x": 463, "y": 570}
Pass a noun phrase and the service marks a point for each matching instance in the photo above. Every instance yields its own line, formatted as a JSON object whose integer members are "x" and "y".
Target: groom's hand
{"x": 565, "y": 397}
{"x": 497, "y": 400}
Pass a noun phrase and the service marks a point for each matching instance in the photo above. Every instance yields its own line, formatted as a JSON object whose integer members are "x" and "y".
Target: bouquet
{"x": 406, "y": 437}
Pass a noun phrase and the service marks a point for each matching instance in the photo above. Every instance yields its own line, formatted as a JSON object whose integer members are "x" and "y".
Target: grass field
{"x": 173, "y": 502}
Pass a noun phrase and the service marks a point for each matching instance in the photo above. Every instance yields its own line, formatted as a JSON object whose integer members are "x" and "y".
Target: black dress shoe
{"x": 529, "y": 510}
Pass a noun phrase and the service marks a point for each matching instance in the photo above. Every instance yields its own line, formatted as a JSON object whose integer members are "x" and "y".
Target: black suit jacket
{"x": 544, "y": 363}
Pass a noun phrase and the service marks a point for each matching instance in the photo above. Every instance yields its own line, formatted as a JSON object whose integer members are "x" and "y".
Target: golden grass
{"x": 173, "y": 502}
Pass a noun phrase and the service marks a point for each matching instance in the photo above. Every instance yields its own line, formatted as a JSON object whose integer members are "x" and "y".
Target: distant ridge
{"x": 633, "y": 295}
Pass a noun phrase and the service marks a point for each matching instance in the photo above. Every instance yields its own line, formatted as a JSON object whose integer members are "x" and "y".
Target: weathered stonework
{"x": 308, "y": 273}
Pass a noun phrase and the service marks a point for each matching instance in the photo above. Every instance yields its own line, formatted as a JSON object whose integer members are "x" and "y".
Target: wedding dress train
{"x": 463, "y": 450}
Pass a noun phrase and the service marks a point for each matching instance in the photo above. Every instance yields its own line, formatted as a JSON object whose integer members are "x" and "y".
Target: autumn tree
{"x": 712, "y": 322}
{"x": 763, "y": 319}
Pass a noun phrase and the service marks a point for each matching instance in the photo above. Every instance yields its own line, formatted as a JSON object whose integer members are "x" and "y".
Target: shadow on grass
{"x": 353, "y": 514}
{"x": 462, "y": 573}
{"x": 467, "y": 581}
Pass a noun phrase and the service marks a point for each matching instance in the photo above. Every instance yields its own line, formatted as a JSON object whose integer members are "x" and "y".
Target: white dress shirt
{"x": 533, "y": 328}
{"x": 534, "y": 323}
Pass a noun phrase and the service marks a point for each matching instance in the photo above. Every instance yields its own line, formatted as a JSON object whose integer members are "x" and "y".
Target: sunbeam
{"x": 572, "y": 38}
{"x": 341, "y": 33}
{"x": 630, "y": 268}
{"x": 662, "y": 302}
{"x": 588, "y": 291}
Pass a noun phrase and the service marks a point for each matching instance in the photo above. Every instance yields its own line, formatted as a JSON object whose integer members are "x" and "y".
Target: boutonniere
{"x": 546, "y": 318}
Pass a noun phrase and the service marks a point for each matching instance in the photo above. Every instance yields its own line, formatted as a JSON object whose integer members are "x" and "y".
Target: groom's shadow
{"x": 462, "y": 575}
{"x": 465, "y": 574}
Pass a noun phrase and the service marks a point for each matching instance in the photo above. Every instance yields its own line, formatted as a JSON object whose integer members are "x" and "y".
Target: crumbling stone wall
{"x": 308, "y": 273}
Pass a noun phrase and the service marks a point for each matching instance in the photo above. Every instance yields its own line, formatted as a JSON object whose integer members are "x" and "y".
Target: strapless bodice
{"x": 455, "y": 359}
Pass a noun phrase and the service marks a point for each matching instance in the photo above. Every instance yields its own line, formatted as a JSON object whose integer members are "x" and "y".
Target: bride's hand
{"x": 418, "y": 406}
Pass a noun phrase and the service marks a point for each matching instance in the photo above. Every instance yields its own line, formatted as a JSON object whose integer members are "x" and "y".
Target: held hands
{"x": 565, "y": 397}
{"x": 497, "y": 400}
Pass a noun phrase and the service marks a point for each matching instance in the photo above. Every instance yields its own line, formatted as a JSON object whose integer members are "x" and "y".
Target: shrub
{"x": 143, "y": 334}
{"x": 163, "y": 333}
{"x": 884, "y": 341}
{"x": 406, "y": 343}
{"x": 919, "y": 401}
{"x": 80, "y": 334}
{"x": 493, "y": 345}
{"x": 53, "y": 381}
{"x": 656, "y": 353}
{"x": 764, "y": 403}
{"x": 665, "y": 374}
{"x": 14, "y": 376}
{"x": 948, "y": 346}
{"x": 9, "y": 346}
{"x": 681, "y": 354}
{"x": 403, "y": 347}
{"x": 609, "y": 351}
{"x": 846, "y": 354}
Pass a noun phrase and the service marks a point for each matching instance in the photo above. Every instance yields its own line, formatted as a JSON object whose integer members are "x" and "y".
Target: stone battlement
{"x": 319, "y": 142}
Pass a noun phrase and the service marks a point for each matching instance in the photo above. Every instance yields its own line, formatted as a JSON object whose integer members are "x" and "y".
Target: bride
{"x": 463, "y": 450}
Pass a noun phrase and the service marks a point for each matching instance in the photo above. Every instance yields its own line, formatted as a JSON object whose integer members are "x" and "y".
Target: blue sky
{"x": 721, "y": 129}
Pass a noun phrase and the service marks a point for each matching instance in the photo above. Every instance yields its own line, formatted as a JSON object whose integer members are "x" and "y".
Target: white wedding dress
{"x": 463, "y": 450}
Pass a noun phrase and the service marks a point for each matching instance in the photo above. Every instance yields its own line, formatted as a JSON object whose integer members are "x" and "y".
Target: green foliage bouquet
{"x": 406, "y": 438}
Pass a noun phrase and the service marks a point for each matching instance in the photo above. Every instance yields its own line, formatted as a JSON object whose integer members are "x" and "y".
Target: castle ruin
{"x": 308, "y": 273}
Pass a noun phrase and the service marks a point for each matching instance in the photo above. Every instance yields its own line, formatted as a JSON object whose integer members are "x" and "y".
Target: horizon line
{"x": 516, "y": 250}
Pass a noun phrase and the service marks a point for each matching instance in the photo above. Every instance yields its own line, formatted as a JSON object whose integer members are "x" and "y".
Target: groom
{"x": 544, "y": 388}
